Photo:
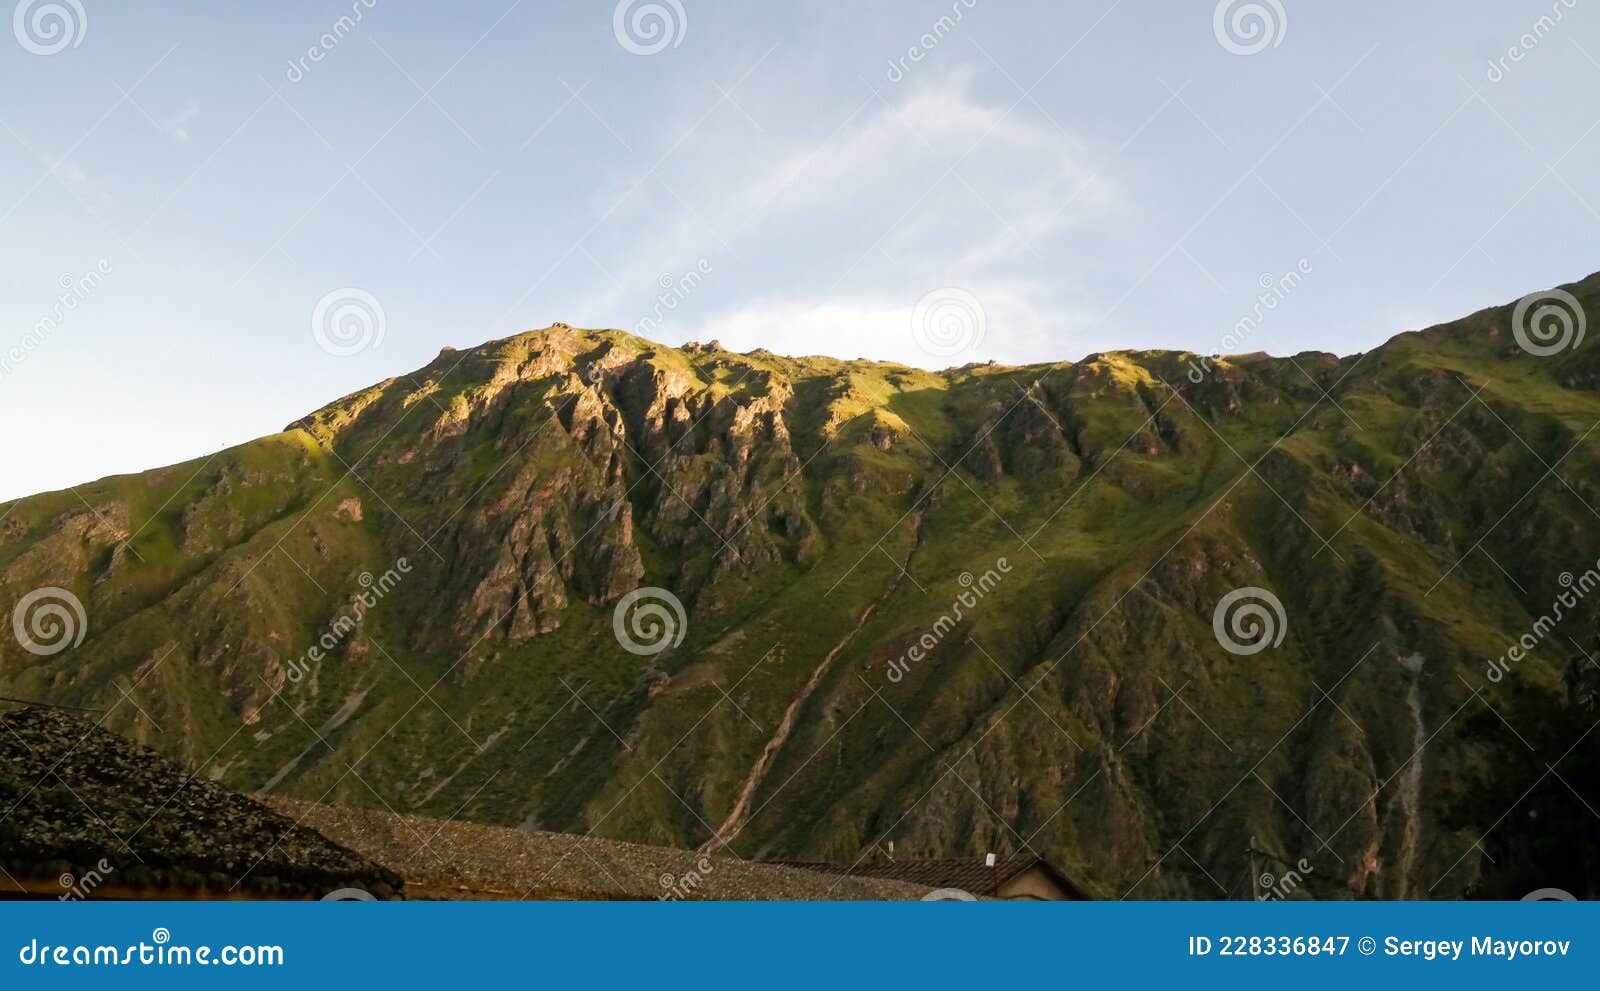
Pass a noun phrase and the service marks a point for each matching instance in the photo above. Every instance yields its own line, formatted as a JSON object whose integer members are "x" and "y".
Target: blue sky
{"x": 1055, "y": 178}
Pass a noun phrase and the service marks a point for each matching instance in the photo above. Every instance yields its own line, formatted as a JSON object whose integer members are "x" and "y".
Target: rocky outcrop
{"x": 1037, "y": 554}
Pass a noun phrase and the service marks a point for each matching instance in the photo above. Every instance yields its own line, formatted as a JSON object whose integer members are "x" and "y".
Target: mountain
{"x": 1174, "y": 623}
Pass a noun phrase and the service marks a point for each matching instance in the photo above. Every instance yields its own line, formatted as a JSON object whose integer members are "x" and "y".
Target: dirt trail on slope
{"x": 1411, "y": 782}
{"x": 737, "y": 818}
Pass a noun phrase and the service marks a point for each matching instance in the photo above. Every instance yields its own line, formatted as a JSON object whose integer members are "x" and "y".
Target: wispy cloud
{"x": 177, "y": 126}
{"x": 927, "y": 185}
{"x": 1016, "y": 323}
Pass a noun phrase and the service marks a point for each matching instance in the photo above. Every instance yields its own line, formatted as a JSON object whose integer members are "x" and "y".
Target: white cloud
{"x": 1012, "y": 325}
{"x": 940, "y": 139}
{"x": 940, "y": 187}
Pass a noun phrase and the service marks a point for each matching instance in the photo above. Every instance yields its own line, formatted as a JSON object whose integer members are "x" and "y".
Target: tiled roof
{"x": 462, "y": 860}
{"x": 76, "y": 800}
{"x": 969, "y": 874}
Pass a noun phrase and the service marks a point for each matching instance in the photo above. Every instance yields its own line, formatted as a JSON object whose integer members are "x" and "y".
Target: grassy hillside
{"x": 965, "y": 611}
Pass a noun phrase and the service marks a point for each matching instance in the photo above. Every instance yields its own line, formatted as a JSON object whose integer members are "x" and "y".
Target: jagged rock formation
{"x": 823, "y": 522}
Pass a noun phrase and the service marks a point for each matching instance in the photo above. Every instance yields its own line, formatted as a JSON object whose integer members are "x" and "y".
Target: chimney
{"x": 988, "y": 860}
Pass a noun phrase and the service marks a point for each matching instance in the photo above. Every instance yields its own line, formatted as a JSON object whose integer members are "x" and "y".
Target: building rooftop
{"x": 86, "y": 812}
{"x": 452, "y": 860}
{"x": 970, "y": 874}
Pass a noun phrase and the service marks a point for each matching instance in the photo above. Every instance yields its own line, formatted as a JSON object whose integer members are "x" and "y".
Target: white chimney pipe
{"x": 988, "y": 860}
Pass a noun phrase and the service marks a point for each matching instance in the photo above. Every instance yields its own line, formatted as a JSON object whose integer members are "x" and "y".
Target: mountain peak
{"x": 452, "y": 561}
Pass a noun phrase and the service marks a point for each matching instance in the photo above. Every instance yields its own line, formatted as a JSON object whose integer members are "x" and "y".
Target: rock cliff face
{"x": 965, "y": 611}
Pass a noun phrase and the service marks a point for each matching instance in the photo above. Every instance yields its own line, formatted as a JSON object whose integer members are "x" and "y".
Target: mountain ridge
{"x": 1085, "y": 708}
{"x": 695, "y": 346}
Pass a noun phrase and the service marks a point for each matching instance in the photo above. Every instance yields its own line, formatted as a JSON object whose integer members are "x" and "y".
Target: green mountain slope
{"x": 964, "y": 611}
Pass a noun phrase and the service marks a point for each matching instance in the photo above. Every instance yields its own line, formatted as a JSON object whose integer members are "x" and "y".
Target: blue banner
{"x": 1315, "y": 944}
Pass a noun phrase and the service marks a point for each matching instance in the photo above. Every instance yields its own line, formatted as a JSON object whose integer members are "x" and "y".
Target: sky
{"x": 215, "y": 220}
